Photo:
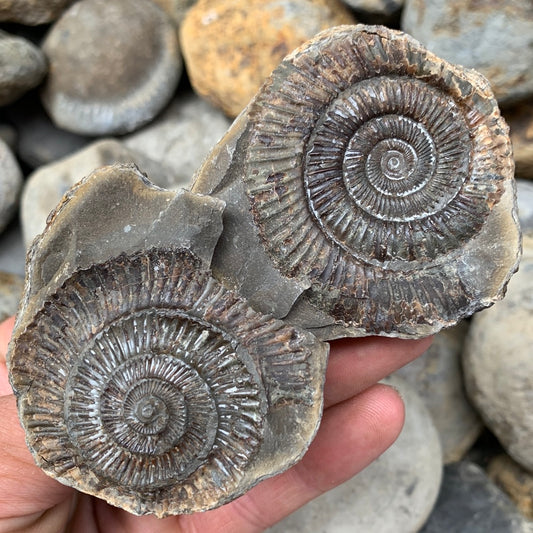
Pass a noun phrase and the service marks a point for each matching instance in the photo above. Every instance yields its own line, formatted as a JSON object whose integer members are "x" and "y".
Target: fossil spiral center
{"x": 151, "y": 409}
{"x": 395, "y": 164}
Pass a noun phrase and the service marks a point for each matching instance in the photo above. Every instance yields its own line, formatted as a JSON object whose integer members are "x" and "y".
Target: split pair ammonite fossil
{"x": 168, "y": 351}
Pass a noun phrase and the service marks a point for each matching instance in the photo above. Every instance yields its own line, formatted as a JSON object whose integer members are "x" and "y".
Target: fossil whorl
{"x": 144, "y": 381}
{"x": 371, "y": 169}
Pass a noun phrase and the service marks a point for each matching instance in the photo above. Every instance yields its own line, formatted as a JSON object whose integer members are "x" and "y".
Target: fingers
{"x": 352, "y": 434}
{"x": 24, "y": 488}
{"x": 6, "y": 328}
{"x": 356, "y": 364}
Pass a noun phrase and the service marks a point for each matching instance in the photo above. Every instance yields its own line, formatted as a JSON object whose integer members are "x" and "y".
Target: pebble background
{"x": 166, "y": 90}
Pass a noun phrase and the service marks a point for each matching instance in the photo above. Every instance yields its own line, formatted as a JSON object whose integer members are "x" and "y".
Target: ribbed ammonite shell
{"x": 371, "y": 169}
{"x": 144, "y": 381}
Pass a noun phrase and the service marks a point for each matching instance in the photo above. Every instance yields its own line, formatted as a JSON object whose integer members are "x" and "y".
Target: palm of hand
{"x": 360, "y": 421}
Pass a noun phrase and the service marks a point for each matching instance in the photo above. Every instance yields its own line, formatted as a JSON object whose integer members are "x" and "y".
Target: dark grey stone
{"x": 470, "y": 502}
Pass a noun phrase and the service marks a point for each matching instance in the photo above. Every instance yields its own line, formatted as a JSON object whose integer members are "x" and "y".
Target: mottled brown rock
{"x": 113, "y": 66}
{"x": 369, "y": 189}
{"x": 32, "y": 12}
{"x": 495, "y": 38}
{"x": 195, "y": 397}
{"x": 22, "y": 67}
{"x": 498, "y": 364}
{"x": 520, "y": 120}
{"x": 231, "y": 46}
{"x": 515, "y": 481}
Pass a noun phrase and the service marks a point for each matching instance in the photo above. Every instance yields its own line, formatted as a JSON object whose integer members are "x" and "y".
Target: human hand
{"x": 361, "y": 420}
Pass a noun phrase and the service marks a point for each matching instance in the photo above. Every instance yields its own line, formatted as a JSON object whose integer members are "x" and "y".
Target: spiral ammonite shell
{"x": 144, "y": 381}
{"x": 370, "y": 163}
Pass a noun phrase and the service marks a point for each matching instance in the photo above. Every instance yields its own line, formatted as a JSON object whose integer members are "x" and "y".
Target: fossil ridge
{"x": 140, "y": 378}
{"x": 374, "y": 183}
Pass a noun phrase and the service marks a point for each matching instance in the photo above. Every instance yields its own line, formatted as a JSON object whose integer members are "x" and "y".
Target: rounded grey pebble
{"x": 45, "y": 187}
{"x": 498, "y": 364}
{"x": 113, "y": 66}
{"x": 524, "y": 195}
{"x": 437, "y": 376}
{"x": 182, "y": 136}
{"x": 395, "y": 494}
{"x": 10, "y": 184}
{"x": 22, "y": 67}
{"x": 469, "y": 502}
{"x": 495, "y": 38}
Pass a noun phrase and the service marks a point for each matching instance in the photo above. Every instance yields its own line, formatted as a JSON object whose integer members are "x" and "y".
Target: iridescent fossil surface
{"x": 140, "y": 378}
{"x": 374, "y": 183}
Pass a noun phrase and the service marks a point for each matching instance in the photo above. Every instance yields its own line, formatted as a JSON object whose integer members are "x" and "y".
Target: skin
{"x": 361, "y": 420}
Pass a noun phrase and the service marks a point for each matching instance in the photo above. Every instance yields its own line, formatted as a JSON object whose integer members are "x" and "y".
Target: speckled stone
{"x": 396, "y": 493}
{"x": 437, "y": 376}
{"x": 470, "y": 503}
{"x": 495, "y": 38}
{"x": 520, "y": 120}
{"x": 231, "y": 46}
{"x": 22, "y": 67}
{"x": 45, "y": 187}
{"x": 10, "y": 184}
{"x": 499, "y": 367}
{"x": 11, "y": 287}
{"x": 514, "y": 481}
{"x": 113, "y": 66}
{"x": 182, "y": 136}
{"x": 32, "y": 12}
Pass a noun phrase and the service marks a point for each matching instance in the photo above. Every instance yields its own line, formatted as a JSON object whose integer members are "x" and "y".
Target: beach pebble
{"x": 182, "y": 136}
{"x": 396, "y": 493}
{"x": 22, "y": 67}
{"x": 437, "y": 376}
{"x": 113, "y": 66}
{"x": 32, "y": 12}
{"x": 469, "y": 502}
{"x": 10, "y": 184}
{"x": 45, "y": 187}
{"x": 231, "y": 46}
{"x": 499, "y": 367}
{"x": 495, "y": 38}
{"x": 524, "y": 194}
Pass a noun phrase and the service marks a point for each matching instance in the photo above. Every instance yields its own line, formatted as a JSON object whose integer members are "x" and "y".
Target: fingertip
{"x": 387, "y": 409}
{"x": 6, "y": 329}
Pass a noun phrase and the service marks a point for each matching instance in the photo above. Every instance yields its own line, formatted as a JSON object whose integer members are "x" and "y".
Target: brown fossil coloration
{"x": 373, "y": 182}
{"x": 140, "y": 378}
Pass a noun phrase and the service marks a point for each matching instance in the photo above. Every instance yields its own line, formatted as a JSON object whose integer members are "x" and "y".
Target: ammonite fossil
{"x": 140, "y": 378}
{"x": 373, "y": 181}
